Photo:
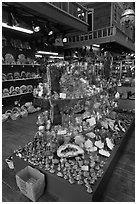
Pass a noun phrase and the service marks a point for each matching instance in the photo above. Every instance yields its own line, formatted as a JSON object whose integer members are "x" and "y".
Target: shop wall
{"x": 117, "y": 10}
{"x": 102, "y": 14}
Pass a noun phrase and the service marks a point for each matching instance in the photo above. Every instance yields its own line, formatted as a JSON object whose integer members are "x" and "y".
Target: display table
{"x": 127, "y": 104}
{"x": 61, "y": 103}
{"x": 74, "y": 192}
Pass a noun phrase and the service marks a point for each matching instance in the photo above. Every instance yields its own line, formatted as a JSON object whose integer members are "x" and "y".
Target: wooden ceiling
{"x": 26, "y": 12}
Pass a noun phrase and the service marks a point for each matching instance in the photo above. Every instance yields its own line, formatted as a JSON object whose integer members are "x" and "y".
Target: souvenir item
{"x": 85, "y": 168}
{"x": 9, "y": 59}
{"x": 99, "y": 144}
{"x": 9, "y": 76}
{"x": 80, "y": 182}
{"x": 71, "y": 180}
{"x": 13, "y": 93}
{"x": 28, "y": 75}
{"x": 11, "y": 89}
{"x": 69, "y": 150}
{"x": 23, "y": 89}
{"x": 17, "y": 89}
{"x": 4, "y": 77}
{"x": 59, "y": 174}
{"x": 16, "y": 75}
{"x": 29, "y": 88}
{"x": 30, "y": 108}
{"x": 15, "y": 114}
{"x": 23, "y": 111}
{"x": 29, "y": 60}
{"x": 4, "y": 117}
{"x": 88, "y": 144}
{"x": 79, "y": 140}
{"x": 104, "y": 153}
{"x": 91, "y": 135}
{"x": 23, "y": 74}
{"x": 109, "y": 143}
{"x": 104, "y": 124}
{"x": 121, "y": 127}
{"x": 5, "y": 92}
{"x": 92, "y": 149}
{"x": 22, "y": 59}
{"x": 91, "y": 121}
{"x": 4, "y": 41}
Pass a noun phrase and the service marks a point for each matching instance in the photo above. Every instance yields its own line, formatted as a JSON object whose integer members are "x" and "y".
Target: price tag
{"x": 85, "y": 168}
{"x": 62, "y": 95}
{"x": 62, "y": 132}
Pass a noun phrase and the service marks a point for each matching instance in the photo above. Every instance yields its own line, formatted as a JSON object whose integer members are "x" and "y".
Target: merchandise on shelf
{"x": 19, "y": 111}
{"x": 17, "y": 90}
{"x": 9, "y": 59}
{"x": 16, "y": 43}
{"x": 41, "y": 90}
{"x": 21, "y": 60}
{"x": 123, "y": 71}
{"x": 17, "y": 75}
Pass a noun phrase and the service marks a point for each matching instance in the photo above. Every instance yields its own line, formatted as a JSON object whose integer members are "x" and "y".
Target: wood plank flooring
{"x": 121, "y": 185}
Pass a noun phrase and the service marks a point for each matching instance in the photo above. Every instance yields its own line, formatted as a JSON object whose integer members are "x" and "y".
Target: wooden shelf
{"x": 24, "y": 79}
{"x": 12, "y": 65}
{"x": 17, "y": 95}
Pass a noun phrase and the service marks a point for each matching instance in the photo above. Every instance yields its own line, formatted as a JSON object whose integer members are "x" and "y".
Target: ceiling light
{"x": 38, "y": 56}
{"x": 36, "y": 29}
{"x": 47, "y": 53}
{"x": 17, "y": 28}
{"x": 51, "y": 32}
{"x": 95, "y": 45}
{"x": 64, "y": 40}
{"x": 56, "y": 57}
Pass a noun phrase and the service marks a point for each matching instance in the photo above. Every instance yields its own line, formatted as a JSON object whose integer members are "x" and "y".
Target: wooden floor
{"x": 121, "y": 185}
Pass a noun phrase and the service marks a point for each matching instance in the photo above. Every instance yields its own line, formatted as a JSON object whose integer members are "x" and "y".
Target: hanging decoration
{"x": 128, "y": 17}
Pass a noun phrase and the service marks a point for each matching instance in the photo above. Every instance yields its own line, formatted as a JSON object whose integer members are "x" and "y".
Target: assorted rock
{"x": 78, "y": 150}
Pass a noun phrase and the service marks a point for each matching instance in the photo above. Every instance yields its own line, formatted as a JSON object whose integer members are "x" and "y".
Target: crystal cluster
{"x": 75, "y": 83}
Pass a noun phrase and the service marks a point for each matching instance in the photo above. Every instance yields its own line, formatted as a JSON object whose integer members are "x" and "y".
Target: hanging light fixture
{"x": 17, "y": 28}
{"x": 50, "y": 32}
{"x": 36, "y": 29}
{"x": 128, "y": 17}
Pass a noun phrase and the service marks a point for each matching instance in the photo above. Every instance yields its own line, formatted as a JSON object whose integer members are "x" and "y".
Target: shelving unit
{"x": 17, "y": 95}
{"x": 123, "y": 71}
{"x": 18, "y": 43}
{"x": 23, "y": 79}
{"x": 12, "y": 65}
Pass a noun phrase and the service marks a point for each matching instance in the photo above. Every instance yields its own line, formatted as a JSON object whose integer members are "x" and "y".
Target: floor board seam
{"x": 125, "y": 172}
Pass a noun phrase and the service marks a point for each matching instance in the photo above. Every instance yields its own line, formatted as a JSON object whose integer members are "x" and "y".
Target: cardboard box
{"x": 31, "y": 182}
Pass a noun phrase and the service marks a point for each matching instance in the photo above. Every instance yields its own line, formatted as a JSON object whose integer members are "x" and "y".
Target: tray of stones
{"x": 76, "y": 179}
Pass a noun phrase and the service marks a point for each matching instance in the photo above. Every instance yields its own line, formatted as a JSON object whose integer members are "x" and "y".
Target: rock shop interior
{"x": 68, "y": 101}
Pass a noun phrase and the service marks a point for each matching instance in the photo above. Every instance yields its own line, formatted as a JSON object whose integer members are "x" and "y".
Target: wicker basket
{"x": 15, "y": 114}
{"x": 23, "y": 112}
{"x": 6, "y": 115}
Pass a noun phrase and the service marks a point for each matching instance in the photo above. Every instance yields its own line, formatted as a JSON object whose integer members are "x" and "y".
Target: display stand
{"x": 73, "y": 192}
